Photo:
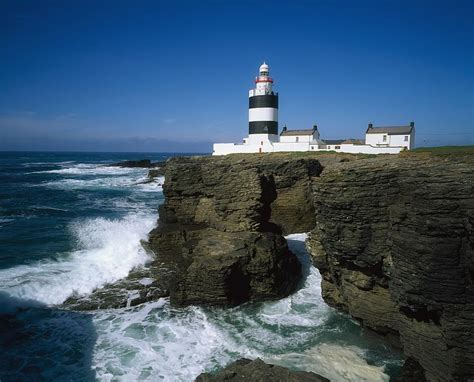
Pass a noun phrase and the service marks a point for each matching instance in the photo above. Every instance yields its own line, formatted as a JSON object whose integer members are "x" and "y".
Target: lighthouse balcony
{"x": 263, "y": 79}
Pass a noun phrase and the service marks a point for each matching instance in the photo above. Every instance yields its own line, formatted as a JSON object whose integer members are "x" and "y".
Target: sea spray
{"x": 155, "y": 341}
{"x": 107, "y": 249}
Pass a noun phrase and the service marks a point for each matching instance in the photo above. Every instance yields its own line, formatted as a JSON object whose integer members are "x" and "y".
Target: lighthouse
{"x": 263, "y": 109}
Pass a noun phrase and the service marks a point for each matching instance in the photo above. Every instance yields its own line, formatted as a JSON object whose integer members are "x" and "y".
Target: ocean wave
{"x": 48, "y": 208}
{"x": 93, "y": 169}
{"x": 5, "y": 221}
{"x": 155, "y": 341}
{"x": 34, "y": 164}
{"x": 106, "y": 182}
{"x": 107, "y": 251}
{"x": 335, "y": 362}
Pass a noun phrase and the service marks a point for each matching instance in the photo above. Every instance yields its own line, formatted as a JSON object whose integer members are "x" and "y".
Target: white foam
{"x": 335, "y": 362}
{"x": 92, "y": 170}
{"x": 108, "y": 250}
{"x": 136, "y": 182}
{"x": 155, "y": 342}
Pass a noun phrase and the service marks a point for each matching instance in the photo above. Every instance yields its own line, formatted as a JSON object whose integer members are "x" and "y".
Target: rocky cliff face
{"x": 221, "y": 223}
{"x": 391, "y": 235}
{"x": 394, "y": 242}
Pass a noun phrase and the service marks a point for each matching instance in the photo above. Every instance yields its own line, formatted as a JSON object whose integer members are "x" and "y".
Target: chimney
{"x": 284, "y": 128}
{"x": 370, "y": 125}
{"x": 315, "y": 127}
{"x": 412, "y": 124}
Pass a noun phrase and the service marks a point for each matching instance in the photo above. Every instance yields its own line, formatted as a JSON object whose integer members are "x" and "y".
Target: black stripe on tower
{"x": 263, "y": 127}
{"x": 268, "y": 100}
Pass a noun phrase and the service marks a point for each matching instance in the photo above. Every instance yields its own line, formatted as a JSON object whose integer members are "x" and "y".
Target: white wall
{"x": 393, "y": 140}
{"x": 261, "y": 143}
{"x": 367, "y": 149}
{"x": 291, "y": 146}
{"x": 257, "y": 139}
{"x": 301, "y": 138}
{"x": 377, "y": 139}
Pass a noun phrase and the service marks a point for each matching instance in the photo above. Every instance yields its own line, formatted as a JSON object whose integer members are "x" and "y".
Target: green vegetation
{"x": 443, "y": 150}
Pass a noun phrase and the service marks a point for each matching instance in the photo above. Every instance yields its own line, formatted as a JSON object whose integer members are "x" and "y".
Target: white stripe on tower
{"x": 263, "y": 114}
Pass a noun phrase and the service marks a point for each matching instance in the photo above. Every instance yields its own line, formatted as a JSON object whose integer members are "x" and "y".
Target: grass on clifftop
{"x": 442, "y": 150}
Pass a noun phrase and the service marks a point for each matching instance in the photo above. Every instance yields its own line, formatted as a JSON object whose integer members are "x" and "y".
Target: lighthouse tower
{"x": 263, "y": 109}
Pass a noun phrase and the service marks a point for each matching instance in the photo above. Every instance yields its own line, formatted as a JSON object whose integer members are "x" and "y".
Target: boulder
{"x": 221, "y": 227}
{"x": 244, "y": 370}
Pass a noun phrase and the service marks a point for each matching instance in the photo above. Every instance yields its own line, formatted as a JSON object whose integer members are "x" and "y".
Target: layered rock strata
{"x": 220, "y": 227}
{"x": 394, "y": 242}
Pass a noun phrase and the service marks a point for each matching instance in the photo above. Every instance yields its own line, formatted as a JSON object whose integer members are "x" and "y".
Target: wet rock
{"x": 140, "y": 163}
{"x": 411, "y": 372}
{"x": 142, "y": 285}
{"x": 259, "y": 371}
{"x": 156, "y": 172}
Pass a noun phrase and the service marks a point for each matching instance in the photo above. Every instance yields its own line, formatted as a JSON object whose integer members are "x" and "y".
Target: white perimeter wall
{"x": 257, "y": 139}
{"x": 291, "y": 146}
{"x": 269, "y": 147}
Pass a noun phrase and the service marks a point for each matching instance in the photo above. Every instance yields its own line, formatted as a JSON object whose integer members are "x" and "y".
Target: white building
{"x": 391, "y": 136}
{"x": 263, "y": 130}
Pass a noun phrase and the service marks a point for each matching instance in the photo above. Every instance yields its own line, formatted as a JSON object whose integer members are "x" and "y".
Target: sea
{"x": 70, "y": 224}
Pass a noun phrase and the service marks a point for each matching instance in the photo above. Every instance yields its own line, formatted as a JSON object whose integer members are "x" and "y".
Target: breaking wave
{"x": 107, "y": 250}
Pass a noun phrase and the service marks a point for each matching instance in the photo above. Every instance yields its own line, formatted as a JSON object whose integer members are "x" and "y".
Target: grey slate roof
{"x": 333, "y": 141}
{"x": 298, "y": 132}
{"x": 391, "y": 130}
{"x": 355, "y": 141}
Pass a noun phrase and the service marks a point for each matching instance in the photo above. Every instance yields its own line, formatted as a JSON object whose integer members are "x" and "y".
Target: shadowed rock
{"x": 140, "y": 163}
{"x": 394, "y": 243}
{"x": 259, "y": 371}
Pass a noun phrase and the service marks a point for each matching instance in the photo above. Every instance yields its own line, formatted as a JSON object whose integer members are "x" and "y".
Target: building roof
{"x": 391, "y": 130}
{"x": 333, "y": 141}
{"x": 298, "y": 132}
{"x": 354, "y": 142}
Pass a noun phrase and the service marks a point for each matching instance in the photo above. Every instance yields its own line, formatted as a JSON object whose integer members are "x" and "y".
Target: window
{"x": 337, "y": 147}
{"x": 261, "y": 143}
{"x": 329, "y": 147}
{"x": 297, "y": 139}
{"x": 385, "y": 138}
{"x": 406, "y": 138}
{"x": 312, "y": 147}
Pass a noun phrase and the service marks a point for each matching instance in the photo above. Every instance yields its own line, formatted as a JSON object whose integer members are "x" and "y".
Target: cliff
{"x": 391, "y": 235}
{"x": 394, "y": 242}
{"x": 220, "y": 227}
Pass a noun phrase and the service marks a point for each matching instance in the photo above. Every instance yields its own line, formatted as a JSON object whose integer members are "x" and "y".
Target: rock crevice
{"x": 221, "y": 226}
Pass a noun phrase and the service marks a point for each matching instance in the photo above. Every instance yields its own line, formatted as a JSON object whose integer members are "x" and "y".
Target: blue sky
{"x": 174, "y": 75}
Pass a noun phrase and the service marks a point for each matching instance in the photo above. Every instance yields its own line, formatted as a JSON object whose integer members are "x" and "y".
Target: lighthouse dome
{"x": 264, "y": 68}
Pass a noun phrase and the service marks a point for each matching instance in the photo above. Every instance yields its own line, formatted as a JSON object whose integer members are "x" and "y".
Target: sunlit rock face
{"x": 394, "y": 242}
{"x": 221, "y": 226}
